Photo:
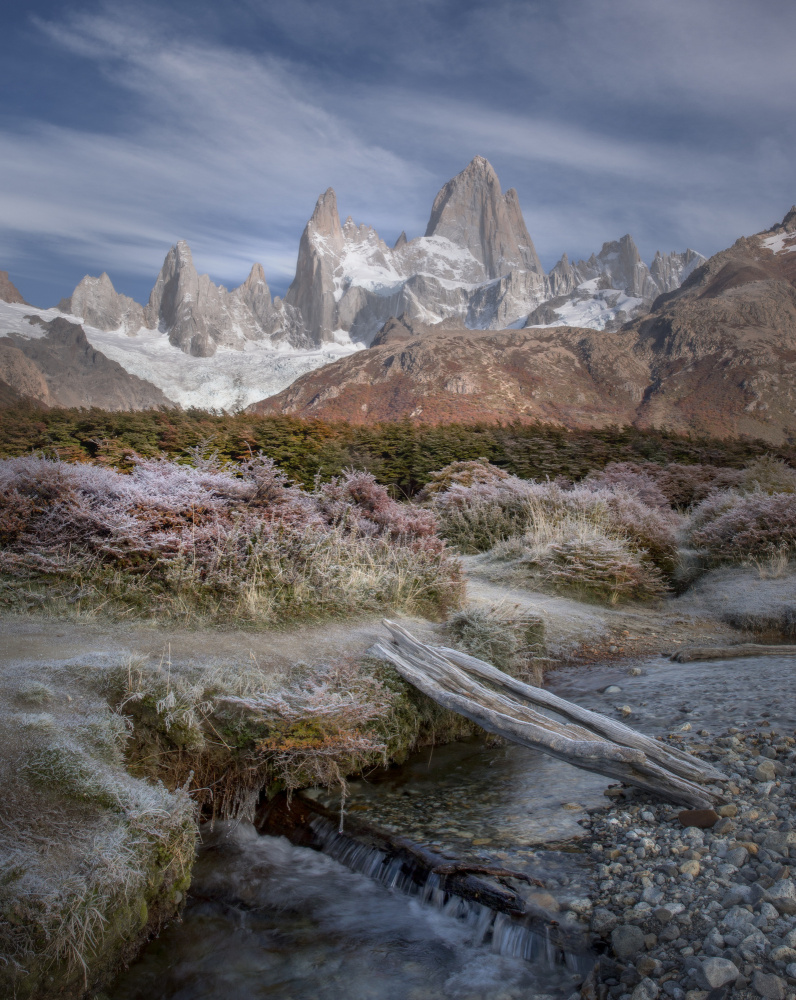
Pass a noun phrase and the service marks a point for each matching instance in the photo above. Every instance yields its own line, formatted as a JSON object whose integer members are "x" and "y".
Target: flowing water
{"x": 268, "y": 919}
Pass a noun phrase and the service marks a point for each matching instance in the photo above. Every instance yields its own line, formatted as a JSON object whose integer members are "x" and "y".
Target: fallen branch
{"x": 462, "y": 868}
{"x": 448, "y": 677}
{"x": 730, "y": 652}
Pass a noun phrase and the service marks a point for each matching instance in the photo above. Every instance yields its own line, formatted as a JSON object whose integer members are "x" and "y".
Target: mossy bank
{"x": 111, "y": 762}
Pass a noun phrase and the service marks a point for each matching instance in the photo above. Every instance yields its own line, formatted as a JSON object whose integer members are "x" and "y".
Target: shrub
{"x": 477, "y": 517}
{"x": 629, "y": 478}
{"x": 224, "y": 542}
{"x": 463, "y": 474}
{"x": 681, "y": 486}
{"x": 768, "y": 475}
{"x": 572, "y": 553}
{"x": 508, "y": 637}
{"x": 733, "y": 527}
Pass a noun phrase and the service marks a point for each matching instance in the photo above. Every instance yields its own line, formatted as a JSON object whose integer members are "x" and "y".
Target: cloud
{"x": 671, "y": 121}
{"x": 222, "y": 148}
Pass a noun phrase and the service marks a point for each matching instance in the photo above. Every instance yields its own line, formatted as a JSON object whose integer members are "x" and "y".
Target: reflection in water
{"x": 471, "y": 800}
{"x": 270, "y": 920}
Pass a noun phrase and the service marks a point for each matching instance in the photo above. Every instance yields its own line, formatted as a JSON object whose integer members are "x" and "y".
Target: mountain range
{"x": 715, "y": 356}
{"x": 460, "y": 322}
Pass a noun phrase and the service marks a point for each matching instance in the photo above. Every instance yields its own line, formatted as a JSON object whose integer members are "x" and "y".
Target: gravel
{"x": 684, "y": 911}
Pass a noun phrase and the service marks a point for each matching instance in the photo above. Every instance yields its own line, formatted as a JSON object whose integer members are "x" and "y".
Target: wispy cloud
{"x": 223, "y": 148}
{"x": 673, "y": 121}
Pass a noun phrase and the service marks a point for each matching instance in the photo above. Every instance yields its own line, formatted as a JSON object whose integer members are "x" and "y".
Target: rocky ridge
{"x": 612, "y": 287}
{"x": 59, "y": 367}
{"x": 476, "y": 263}
{"x": 8, "y": 291}
{"x": 716, "y": 355}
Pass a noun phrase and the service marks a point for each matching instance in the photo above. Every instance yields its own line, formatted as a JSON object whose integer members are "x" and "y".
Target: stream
{"x": 268, "y": 919}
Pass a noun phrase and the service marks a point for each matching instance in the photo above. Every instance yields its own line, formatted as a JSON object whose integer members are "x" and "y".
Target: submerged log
{"x": 307, "y": 823}
{"x": 589, "y": 741}
{"x": 730, "y": 652}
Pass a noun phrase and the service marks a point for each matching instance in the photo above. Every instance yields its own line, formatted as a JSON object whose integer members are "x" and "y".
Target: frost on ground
{"x": 92, "y": 860}
{"x": 748, "y": 598}
{"x": 106, "y": 759}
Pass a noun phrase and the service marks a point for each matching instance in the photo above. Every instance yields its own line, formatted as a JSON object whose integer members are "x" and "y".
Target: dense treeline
{"x": 400, "y": 455}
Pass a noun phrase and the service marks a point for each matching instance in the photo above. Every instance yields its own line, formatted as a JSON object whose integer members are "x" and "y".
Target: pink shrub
{"x": 731, "y": 527}
{"x": 219, "y": 534}
{"x": 682, "y": 486}
{"x": 629, "y": 477}
{"x": 357, "y": 502}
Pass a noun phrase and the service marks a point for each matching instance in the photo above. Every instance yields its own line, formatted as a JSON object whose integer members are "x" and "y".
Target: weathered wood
{"x": 673, "y": 759}
{"x": 433, "y": 671}
{"x": 730, "y": 652}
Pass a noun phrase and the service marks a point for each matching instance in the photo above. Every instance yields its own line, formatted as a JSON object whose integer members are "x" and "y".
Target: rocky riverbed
{"x": 684, "y": 911}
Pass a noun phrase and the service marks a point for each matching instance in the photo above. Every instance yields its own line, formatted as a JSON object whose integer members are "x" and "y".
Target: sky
{"x": 126, "y": 126}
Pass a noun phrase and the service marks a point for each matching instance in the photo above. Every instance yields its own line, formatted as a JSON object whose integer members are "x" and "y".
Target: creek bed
{"x": 268, "y": 919}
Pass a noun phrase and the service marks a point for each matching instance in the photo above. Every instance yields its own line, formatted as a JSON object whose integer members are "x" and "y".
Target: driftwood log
{"x": 730, "y": 652}
{"x": 509, "y": 708}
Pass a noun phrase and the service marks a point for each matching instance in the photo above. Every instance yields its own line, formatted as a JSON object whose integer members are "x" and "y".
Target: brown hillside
{"x": 718, "y": 356}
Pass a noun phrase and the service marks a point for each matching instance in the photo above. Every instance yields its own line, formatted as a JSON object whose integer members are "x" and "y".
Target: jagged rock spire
{"x": 312, "y": 289}
{"x": 472, "y": 212}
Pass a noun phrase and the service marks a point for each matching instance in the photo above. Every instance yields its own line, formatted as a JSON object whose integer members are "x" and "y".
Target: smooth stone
{"x": 646, "y": 990}
{"x": 627, "y": 941}
{"x": 783, "y": 895}
{"x": 716, "y": 972}
{"x": 701, "y": 818}
{"x": 768, "y": 986}
{"x": 737, "y": 856}
{"x": 736, "y": 894}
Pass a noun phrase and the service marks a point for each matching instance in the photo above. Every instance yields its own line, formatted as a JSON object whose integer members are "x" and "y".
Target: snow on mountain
{"x": 476, "y": 265}
{"x": 229, "y": 380}
{"x": 781, "y": 243}
{"x": 612, "y": 287}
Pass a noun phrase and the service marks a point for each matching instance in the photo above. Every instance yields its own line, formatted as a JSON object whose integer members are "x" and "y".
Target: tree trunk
{"x": 589, "y": 741}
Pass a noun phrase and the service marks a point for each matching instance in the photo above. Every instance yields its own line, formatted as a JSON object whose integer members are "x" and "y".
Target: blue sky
{"x": 125, "y": 127}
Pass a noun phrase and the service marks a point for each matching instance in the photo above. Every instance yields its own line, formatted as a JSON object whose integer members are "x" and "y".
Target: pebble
{"x": 768, "y": 986}
{"x": 716, "y": 972}
{"x": 700, "y": 818}
{"x": 692, "y": 906}
{"x": 627, "y": 940}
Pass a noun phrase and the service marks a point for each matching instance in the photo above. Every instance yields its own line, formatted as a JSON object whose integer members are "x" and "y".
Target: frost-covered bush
{"x": 575, "y": 554}
{"x": 232, "y": 542}
{"x": 734, "y": 527}
{"x": 768, "y": 475}
{"x": 463, "y": 474}
{"x": 509, "y": 638}
{"x": 476, "y": 517}
{"x": 632, "y": 478}
{"x": 681, "y": 486}
{"x": 479, "y": 516}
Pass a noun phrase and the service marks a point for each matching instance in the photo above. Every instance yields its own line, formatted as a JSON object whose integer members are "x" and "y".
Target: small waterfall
{"x": 513, "y": 935}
